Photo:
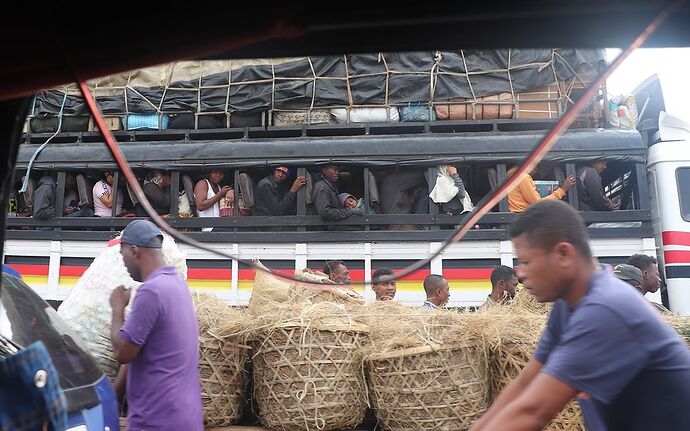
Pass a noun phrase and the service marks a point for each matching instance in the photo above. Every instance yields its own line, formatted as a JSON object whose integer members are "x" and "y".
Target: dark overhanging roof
{"x": 422, "y": 149}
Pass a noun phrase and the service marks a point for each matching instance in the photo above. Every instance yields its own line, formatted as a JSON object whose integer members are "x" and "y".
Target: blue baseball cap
{"x": 142, "y": 233}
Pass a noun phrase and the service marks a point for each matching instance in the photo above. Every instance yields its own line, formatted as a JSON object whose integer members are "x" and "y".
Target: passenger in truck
{"x": 207, "y": 195}
{"x": 349, "y": 201}
{"x": 449, "y": 191}
{"x": 325, "y": 196}
{"x": 590, "y": 191}
{"x": 526, "y": 194}
{"x": 271, "y": 197}
{"x": 157, "y": 191}
{"x": 103, "y": 196}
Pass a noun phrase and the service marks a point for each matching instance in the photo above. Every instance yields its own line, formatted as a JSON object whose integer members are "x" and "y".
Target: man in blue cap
{"x": 160, "y": 339}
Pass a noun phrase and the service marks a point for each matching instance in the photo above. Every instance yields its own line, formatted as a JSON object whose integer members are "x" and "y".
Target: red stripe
{"x": 209, "y": 273}
{"x": 72, "y": 271}
{"x": 24, "y": 269}
{"x": 675, "y": 238}
{"x": 677, "y": 256}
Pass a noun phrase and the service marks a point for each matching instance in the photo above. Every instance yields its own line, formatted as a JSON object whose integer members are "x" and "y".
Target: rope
{"x": 27, "y": 177}
{"x": 469, "y": 82}
{"x": 469, "y": 219}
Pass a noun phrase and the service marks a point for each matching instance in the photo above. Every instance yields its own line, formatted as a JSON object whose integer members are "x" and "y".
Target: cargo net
{"x": 381, "y": 87}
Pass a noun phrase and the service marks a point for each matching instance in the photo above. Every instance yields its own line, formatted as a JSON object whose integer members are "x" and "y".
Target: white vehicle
{"x": 52, "y": 254}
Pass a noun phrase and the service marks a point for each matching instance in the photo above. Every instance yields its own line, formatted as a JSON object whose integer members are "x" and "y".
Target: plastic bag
{"x": 623, "y": 112}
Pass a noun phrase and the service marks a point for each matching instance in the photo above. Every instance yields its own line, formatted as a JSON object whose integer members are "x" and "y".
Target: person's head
{"x": 347, "y": 200}
{"x": 436, "y": 288}
{"x": 550, "y": 240}
{"x": 108, "y": 177}
{"x": 160, "y": 178}
{"x": 503, "y": 282}
{"x": 280, "y": 173}
{"x": 383, "y": 284}
{"x": 651, "y": 281}
{"x": 331, "y": 171}
{"x": 599, "y": 165}
{"x": 629, "y": 274}
{"x": 216, "y": 176}
{"x": 70, "y": 181}
{"x": 140, "y": 247}
{"x": 337, "y": 271}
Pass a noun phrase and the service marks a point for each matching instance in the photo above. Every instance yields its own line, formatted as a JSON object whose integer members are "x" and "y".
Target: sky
{"x": 671, "y": 64}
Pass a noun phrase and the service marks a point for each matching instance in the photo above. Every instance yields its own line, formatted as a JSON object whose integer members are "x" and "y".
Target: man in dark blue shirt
{"x": 603, "y": 343}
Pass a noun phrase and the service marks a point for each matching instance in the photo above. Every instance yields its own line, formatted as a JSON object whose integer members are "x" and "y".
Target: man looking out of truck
{"x": 271, "y": 199}
{"x": 325, "y": 196}
{"x": 590, "y": 190}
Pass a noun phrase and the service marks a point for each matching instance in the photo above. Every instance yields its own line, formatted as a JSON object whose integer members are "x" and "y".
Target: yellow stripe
{"x": 35, "y": 279}
{"x": 68, "y": 280}
{"x": 209, "y": 284}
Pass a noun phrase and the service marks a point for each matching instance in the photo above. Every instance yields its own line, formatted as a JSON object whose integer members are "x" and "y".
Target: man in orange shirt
{"x": 525, "y": 194}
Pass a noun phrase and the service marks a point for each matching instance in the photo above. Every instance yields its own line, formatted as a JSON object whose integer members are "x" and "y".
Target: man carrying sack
{"x": 159, "y": 340}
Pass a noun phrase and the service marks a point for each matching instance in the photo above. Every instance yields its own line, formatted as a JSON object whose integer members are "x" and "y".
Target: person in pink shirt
{"x": 103, "y": 197}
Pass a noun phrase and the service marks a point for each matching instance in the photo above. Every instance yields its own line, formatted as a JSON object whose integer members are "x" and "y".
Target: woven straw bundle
{"x": 427, "y": 369}
{"x": 681, "y": 325}
{"x": 269, "y": 291}
{"x": 307, "y": 368}
{"x": 513, "y": 332}
{"x": 224, "y": 356}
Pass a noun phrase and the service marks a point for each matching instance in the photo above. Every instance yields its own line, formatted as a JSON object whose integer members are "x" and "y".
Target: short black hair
{"x": 431, "y": 282}
{"x": 501, "y": 272}
{"x": 641, "y": 261}
{"x": 546, "y": 223}
{"x": 376, "y": 278}
{"x": 331, "y": 265}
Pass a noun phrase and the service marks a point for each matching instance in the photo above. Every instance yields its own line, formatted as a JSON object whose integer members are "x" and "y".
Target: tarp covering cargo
{"x": 364, "y": 80}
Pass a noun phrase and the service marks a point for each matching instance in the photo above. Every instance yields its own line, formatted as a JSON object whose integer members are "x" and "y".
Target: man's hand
{"x": 568, "y": 183}
{"x": 120, "y": 298}
{"x": 298, "y": 184}
{"x": 224, "y": 190}
{"x": 451, "y": 170}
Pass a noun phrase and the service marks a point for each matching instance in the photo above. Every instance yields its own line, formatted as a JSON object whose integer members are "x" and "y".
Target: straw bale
{"x": 513, "y": 334}
{"x": 424, "y": 388}
{"x": 681, "y": 325}
{"x": 427, "y": 369}
{"x": 223, "y": 359}
{"x": 269, "y": 290}
{"x": 307, "y": 367}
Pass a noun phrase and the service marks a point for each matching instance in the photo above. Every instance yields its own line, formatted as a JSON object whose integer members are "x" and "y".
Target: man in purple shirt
{"x": 603, "y": 343}
{"x": 159, "y": 340}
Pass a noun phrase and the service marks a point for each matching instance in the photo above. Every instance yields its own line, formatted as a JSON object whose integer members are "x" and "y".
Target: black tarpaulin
{"x": 407, "y": 150}
{"x": 350, "y": 80}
